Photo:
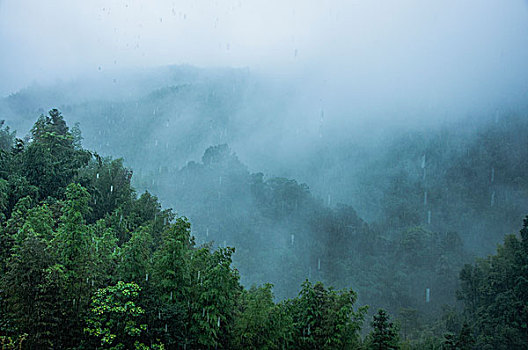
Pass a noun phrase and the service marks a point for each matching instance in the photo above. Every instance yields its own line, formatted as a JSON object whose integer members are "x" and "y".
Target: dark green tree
{"x": 325, "y": 318}
{"x": 384, "y": 334}
{"x": 494, "y": 297}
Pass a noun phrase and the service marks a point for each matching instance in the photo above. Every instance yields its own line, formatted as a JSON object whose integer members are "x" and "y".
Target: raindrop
{"x": 171, "y": 296}
{"x": 492, "y": 200}
{"x": 97, "y": 175}
{"x": 425, "y": 197}
{"x": 203, "y": 311}
{"x": 165, "y": 327}
{"x": 146, "y": 277}
{"x": 427, "y": 295}
{"x": 319, "y": 264}
{"x": 429, "y": 217}
{"x": 218, "y": 322}
{"x": 111, "y": 188}
{"x": 292, "y": 239}
{"x": 492, "y": 175}
{"x": 207, "y": 232}
{"x": 159, "y": 315}
{"x": 329, "y": 200}
{"x": 423, "y": 161}
{"x": 198, "y": 275}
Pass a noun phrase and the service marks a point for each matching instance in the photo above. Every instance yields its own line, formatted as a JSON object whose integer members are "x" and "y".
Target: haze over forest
{"x": 372, "y": 145}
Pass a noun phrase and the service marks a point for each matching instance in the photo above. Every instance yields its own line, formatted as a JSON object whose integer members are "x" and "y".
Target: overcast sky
{"x": 404, "y": 52}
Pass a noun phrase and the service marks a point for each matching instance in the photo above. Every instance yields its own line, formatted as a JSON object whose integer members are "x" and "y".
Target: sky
{"x": 402, "y": 54}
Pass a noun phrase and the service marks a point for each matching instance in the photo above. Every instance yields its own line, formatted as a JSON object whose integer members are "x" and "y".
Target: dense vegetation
{"x": 278, "y": 225}
{"x": 86, "y": 263}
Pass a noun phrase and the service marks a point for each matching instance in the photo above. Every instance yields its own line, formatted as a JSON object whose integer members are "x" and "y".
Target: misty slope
{"x": 163, "y": 115}
{"x": 160, "y": 119}
{"x": 283, "y": 235}
{"x": 469, "y": 179}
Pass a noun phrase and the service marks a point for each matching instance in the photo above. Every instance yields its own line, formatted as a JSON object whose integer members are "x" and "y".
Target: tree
{"x": 116, "y": 319}
{"x": 325, "y": 318}
{"x": 384, "y": 335}
{"x": 51, "y": 160}
{"x": 259, "y": 322}
{"x": 30, "y": 294}
{"x": 136, "y": 256}
{"x": 493, "y": 291}
{"x": 73, "y": 250}
{"x": 7, "y": 137}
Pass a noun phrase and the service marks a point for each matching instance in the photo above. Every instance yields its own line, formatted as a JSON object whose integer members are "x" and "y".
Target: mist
{"x": 373, "y": 145}
{"x": 361, "y": 60}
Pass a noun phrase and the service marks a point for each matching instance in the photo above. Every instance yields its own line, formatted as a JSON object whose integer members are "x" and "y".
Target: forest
{"x": 263, "y": 175}
{"x": 87, "y": 262}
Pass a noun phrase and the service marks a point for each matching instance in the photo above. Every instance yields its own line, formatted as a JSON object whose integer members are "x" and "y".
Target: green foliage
{"x": 85, "y": 263}
{"x": 493, "y": 291}
{"x": 7, "y": 137}
{"x": 66, "y": 253}
{"x": 464, "y": 340}
{"x": 260, "y": 323}
{"x": 115, "y": 317}
{"x": 51, "y": 160}
{"x": 384, "y": 334}
{"x": 29, "y": 293}
{"x": 136, "y": 262}
{"x": 325, "y": 318}
{"x": 12, "y": 343}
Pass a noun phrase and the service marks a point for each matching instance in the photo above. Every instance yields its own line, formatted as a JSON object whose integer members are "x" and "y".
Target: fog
{"x": 396, "y": 111}
{"x": 406, "y": 58}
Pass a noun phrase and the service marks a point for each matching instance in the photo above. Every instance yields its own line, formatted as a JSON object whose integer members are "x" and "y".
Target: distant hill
{"x": 464, "y": 176}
